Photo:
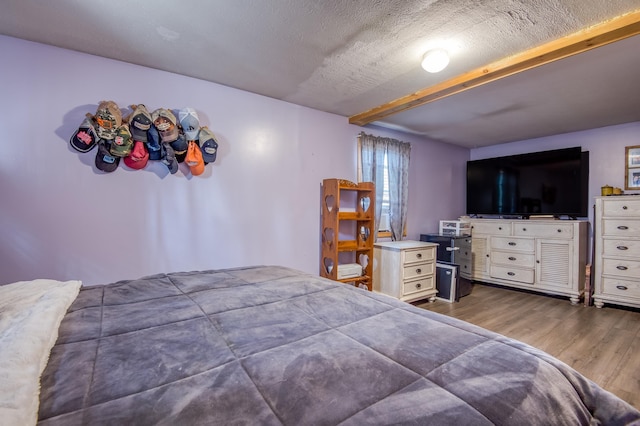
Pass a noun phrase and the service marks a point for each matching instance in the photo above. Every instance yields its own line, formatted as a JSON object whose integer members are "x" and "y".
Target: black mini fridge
{"x": 452, "y": 250}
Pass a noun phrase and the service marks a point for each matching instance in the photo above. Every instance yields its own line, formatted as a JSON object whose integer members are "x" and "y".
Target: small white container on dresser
{"x": 617, "y": 251}
{"x": 405, "y": 269}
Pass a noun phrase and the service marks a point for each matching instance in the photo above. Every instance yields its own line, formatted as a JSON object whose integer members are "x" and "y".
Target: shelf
{"x": 353, "y": 216}
{"x": 351, "y": 245}
{"x": 351, "y": 204}
{"x": 363, "y": 278}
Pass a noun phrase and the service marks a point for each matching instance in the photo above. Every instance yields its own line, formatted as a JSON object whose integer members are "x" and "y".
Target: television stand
{"x": 547, "y": 256}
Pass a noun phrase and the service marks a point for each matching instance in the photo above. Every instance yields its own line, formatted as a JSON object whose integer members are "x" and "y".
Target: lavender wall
{"x": 257, "y": 204}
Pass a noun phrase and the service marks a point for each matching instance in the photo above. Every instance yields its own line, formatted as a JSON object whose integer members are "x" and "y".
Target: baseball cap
{"x": 104, "y": 160}
{"x": 208, "y": 145}
{"x": 169, "y": 158}
{"x": 153, "y": 144}
{"x": 194, "y": 159}
{"x": 85, "y": 138}
{"x": 190, "y": 123}
{"x": 122, "y": 143}
{"x": 139, "y": 156}
{"x": 108, "y": 118}
{"x": 180, "y": 147}
{"x": 165, "y": 122}
{"x": 139, "y": 122}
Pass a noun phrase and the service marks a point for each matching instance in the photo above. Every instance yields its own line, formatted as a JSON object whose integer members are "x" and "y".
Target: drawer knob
{"x": 622, "y": 268}
{"x": 624, "y": 207}
{"x": 622, "y": 248}
{"x": 559, "y": 230}
{"x": 511, "y": 273}
{"x": 621, "y": 287}
{"x": 623, "y": 228}
{"x": 524, "y": 229}
{"x": 418, "y": 271}
{"x": 418, "y": 285}
{"x": 512, "y": 258}
{"x": 499, "y": 228}
{"x": 512, "y": 243}
{"x": 419, "y": 255}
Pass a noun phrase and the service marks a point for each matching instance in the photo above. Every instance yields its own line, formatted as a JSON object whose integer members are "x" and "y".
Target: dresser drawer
{"x": 419, "y": 255}
{"x": 512, "y": 274}
{"x": 630, "y": 248}
{"x": 621, "y": 268}
{"x": 513, "y": 258}
{"x": 417, "y": 286}
{"x": 464, "y": 244}
{"x": 463, "y": 256}
{"x": 465, "y": 270}
{"x": 417, "y": 270}
{"x": 543, "y": 230}
{"x": 513, "y": 244}
{"x": 490, "y": 228}
{"x": 612, "y": 286}
{"x": 621, "y": 207}
{"x": 621, "y": 228}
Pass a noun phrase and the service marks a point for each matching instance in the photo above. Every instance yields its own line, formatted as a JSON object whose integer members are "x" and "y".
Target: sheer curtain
{"x": 372, "y": 152}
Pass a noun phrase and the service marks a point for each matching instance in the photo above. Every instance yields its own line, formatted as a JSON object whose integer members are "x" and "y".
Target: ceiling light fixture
{"x": 435, "y": 60}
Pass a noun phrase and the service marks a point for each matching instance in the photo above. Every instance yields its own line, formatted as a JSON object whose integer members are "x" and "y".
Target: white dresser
{"x": 405, "y": 269}
{"x": 617, "y": 251}
{"x": 548, "y": 256}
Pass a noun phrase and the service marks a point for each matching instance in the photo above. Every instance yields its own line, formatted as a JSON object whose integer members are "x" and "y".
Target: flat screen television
{"x": 540, "y": 183}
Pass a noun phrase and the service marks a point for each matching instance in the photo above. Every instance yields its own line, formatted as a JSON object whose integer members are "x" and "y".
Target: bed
{"x": 269, "y": 345}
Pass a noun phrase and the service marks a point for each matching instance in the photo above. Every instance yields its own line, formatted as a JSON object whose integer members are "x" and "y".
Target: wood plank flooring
{"x": 602, "y": 344}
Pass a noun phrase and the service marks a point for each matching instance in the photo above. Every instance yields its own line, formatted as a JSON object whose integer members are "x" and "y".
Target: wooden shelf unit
{"x": 347, "y": 228}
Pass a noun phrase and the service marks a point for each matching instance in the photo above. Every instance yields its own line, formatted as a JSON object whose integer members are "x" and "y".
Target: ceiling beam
{"x": 624, "y": 26}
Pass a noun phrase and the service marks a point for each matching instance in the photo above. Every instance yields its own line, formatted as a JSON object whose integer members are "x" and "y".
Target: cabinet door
{"x": 554, "y": 264}
{"x": 480, "y": 257}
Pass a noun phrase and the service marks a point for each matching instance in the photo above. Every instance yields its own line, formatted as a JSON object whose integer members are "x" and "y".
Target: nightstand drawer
{"x": 512, "y": 274}
{"x": 513, "y": 244}
{"x": 513, "y": 258}
{"x": 416, "y": 286}
{"x": 419, "y": 255}
{"x": 417, "y": 270}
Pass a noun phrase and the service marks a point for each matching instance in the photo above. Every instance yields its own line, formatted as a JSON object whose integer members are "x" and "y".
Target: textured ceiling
{"x": 349, "y": 56}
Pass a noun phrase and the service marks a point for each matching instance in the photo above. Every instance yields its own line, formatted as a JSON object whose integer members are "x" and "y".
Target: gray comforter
{"x": 271, "y": 345}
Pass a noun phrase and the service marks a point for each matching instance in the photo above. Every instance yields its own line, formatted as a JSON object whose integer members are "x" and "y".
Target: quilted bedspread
{"x": 269, "y": 345}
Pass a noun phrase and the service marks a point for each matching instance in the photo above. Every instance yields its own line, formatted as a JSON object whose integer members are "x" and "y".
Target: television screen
{"x": 541, "y": 183}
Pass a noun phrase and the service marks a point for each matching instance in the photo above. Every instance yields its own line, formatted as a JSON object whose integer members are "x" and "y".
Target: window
{"x": 385, "y": 162}
{"x": 384, "y": 229}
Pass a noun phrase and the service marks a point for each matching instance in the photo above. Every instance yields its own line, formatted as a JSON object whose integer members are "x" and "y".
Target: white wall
{"x": 258, "y": 203}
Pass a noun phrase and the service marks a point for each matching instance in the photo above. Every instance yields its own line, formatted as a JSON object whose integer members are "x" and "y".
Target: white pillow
{"x": 30, "y": 315}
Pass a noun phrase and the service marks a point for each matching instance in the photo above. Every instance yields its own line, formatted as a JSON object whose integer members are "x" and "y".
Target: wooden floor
{"x": 602, "y": 344}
